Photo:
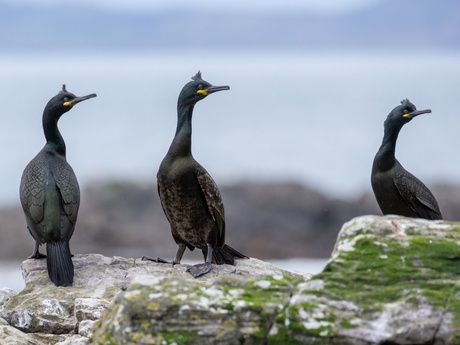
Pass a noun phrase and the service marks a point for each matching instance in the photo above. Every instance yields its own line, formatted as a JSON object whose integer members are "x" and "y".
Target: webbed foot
{"x": 37, "y": 255}
{"x": 157, "y": 259}
{"x": 200, "y": 269}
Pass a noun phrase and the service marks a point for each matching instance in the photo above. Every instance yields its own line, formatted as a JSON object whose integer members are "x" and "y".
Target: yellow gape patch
{"x": 202, "y": 92}
{"x": 67, "y": 104}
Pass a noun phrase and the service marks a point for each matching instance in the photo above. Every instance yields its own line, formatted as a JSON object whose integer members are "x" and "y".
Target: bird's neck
{"x": 182, "y": 142}
{"x": 385, "y": 158}
{"x": 53, "y": 137}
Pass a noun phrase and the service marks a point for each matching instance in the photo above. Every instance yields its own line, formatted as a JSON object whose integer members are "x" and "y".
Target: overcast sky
{"x": 319, "y": 6}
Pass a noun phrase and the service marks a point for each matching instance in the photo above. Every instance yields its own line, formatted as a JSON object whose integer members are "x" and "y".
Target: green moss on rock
{"x": 388, "y": 277}
{"x": 219, "y": 313}
{"x": 390, "y": 280}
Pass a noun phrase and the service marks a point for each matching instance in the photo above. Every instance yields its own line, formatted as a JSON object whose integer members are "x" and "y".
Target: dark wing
{"x": 162, "y": 197}
{"x": 213, "y": 200}
{"x": 67, "y": 184}
{"x": 32, "y": 195}
{"x": 417, "y": 195}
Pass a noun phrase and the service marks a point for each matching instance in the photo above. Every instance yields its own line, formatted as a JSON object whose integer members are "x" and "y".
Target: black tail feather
{"x": 59, "y": 263}
{"x": 224, "y": 255}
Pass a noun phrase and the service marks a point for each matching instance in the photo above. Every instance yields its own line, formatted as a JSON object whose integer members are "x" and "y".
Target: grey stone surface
{"x": 390, "y": 280}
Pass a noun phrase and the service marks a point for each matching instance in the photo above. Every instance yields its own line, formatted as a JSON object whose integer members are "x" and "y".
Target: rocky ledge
{"x": 390, "y": 280}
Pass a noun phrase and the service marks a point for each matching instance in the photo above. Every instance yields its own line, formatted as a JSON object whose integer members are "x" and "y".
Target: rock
{"x": 65, "y": 315}
{"x": 73, "y": 340}
{"x": 11, "y": 335}
{"x": 163, "y": 309}
{"x": 85, "y": 328}
{"x": 5, "y": 295}
{"x": 390, "y": 280}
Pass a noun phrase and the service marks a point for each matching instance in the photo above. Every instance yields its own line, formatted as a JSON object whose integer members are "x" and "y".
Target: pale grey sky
{"x": 318, "y": 6}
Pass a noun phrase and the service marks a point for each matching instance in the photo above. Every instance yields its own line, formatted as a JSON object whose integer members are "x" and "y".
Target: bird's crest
{"x": 197, "y": 77}
{"x": 64, "y": 90}
{"x": 405, "y": 101}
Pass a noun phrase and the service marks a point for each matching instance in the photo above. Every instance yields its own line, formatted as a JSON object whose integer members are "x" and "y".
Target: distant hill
{"x": 395, "y": 24}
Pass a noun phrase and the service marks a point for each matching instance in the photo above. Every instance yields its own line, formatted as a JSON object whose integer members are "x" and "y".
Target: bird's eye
{"x": 405, "y": 111}
{"x": 200, "y": 87}
{"x": 66, "y": 99}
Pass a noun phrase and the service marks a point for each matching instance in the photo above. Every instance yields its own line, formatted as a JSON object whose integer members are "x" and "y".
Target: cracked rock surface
{"x": 45, "y": 314}
{"x": 390, "y": 280}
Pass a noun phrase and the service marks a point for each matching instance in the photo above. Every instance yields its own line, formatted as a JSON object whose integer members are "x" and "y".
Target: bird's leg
{"x": 177, "y": 259}
{"x": 36, "y": 254}
{"x": 179, "y": 253}
{"x": 205, "y": 267}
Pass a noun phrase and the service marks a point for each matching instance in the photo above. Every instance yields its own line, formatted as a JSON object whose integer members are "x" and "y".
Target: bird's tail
{"x": 59, "y": 263}
{"x": 226, "y": 255}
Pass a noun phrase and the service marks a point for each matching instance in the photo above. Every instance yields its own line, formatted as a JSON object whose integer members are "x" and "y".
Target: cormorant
{"x": 189, "y": 196}
{"x": 397, "y": 191}
{"x": 50, "y": 195}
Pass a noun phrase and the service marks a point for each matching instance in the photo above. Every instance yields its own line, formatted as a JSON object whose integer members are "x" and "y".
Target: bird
{"x": 189, "y": 196}
{"x": 396, "y": 190}
{"x": 50, "y": 195}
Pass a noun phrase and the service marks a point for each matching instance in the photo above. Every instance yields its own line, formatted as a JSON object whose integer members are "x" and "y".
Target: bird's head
{"x": 197, "y": 89}
{"x": 404, "y": 113}
{"x": 63, "y": 102}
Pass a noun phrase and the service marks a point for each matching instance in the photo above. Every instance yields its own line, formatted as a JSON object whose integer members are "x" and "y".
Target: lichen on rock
{"x": 390, "y": 280}
{"x": 186, "y": 311}
{"x": 45, "y": 313}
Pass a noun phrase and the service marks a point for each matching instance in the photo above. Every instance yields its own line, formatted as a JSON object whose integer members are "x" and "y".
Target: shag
{"x": 397, "y": 191}
{"x": 50, "y": 195}
{"x": 189, "y": 196}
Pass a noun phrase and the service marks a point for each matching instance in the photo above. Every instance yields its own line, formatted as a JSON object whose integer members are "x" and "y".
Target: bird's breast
{"x": 185, "y": 205}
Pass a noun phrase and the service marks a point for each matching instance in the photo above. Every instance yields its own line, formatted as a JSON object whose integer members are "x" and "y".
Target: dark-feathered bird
{"x": 189, "y": 196}
{"x": 50, "y": 195}
{"x": 397, "y": 191}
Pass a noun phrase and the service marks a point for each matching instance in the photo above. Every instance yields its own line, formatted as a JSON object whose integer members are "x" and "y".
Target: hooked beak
{"x": 416, "y": 113}
{"x": 79, "y": 99}
{"x": 213, "y": 89}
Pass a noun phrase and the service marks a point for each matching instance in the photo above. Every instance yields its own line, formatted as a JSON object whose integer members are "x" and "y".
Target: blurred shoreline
{"x": 286, "y": 223}
{"x": 267, "y": 220}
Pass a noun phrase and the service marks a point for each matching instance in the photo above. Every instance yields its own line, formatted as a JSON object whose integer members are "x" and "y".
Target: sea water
{"x": 313, "y": 117}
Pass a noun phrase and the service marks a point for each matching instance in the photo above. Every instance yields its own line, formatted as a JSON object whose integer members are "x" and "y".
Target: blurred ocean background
{"x": 311, "y": 83}
{"x": 312, "y": 117}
